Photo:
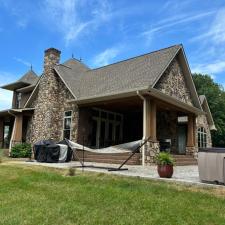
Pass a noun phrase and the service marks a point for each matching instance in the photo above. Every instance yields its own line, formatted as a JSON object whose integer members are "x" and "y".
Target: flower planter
{"x": 165, "y": 171}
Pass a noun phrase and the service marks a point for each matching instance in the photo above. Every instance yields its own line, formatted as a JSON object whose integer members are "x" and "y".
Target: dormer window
{"x": 18, "y": 100}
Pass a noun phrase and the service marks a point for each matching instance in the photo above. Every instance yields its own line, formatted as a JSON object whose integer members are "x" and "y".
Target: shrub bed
{"x": 23, "y": 150}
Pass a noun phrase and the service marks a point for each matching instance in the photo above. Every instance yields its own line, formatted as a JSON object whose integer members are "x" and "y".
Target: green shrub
{"x": 164, "y": 158}
{"x": 23, "y": 150}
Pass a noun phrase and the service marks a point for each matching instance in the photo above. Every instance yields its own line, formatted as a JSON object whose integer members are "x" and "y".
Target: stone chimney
{"x": 46, "y": 115}
{"x": 51, "y": 58}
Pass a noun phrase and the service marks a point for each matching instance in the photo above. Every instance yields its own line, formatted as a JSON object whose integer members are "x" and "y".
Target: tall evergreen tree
{"x": 215, "y": 95}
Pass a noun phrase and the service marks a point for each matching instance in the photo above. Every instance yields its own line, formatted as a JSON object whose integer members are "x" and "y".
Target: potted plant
{"x": 165, "y": 164}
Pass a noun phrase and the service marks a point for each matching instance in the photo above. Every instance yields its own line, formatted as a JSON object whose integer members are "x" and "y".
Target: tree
{"x": 215, "y": 95}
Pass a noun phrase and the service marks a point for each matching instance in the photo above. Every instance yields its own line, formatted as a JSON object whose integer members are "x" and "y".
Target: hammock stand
{"x": 102, "y": 167}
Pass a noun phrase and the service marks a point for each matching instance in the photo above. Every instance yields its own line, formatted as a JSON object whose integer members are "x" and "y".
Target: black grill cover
{"x": 53, "y": 152}
{"x": 40, "y": 151}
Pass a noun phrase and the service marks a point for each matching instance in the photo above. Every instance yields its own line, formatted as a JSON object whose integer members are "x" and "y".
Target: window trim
{"x": 71, "y": 127}
{"x": 202, "y": 137}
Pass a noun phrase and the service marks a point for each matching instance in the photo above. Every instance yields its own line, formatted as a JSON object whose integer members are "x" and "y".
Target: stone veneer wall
{"x": 167, "y": 127}
{"x": 50, "y": 103}
{"x": 173, "y": 83}
{"x": 151, "y": 149}
{"x": 202, "y": 122}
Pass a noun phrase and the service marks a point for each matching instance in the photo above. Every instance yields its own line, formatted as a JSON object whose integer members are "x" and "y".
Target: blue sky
{"x": 103, "y": 31}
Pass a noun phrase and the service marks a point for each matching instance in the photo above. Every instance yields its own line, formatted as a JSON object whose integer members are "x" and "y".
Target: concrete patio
{"x": 182, "y": 174}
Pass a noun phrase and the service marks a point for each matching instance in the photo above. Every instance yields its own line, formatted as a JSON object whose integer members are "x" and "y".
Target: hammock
{"x": 122, "y": 148}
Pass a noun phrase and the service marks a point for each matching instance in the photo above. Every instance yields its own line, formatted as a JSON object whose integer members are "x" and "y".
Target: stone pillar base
{"x": 192, "y": 151}
{"x": 151, "y": 149}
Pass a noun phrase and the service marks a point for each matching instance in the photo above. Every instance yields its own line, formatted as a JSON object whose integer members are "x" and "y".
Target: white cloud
{"x": 24, "y": 62}
{"x": 173, "y": 21}
{"x": 5, "y": 99}
{"x": 5, "y": 96}
{"x": 210, "y": 68}
{"x": 105, "y": 57}
{"x": 66, "y": 16}
{"x": 216, "y": 32}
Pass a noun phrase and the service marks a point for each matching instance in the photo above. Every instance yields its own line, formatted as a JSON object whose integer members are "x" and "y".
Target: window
{"x": 202, "y": 138}
{"x": 67, "y": 124}
{"x": 107, "y": 128}
{"x": 18, "y": 100}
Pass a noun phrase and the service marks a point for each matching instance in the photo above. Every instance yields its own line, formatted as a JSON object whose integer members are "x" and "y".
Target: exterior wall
{"x": 167, "y": 127}
{"x": 173, "y": 83}
{"x": 202, "y": 122}
{"x": 24, "y": 98}
{"x": 50, "y": 103}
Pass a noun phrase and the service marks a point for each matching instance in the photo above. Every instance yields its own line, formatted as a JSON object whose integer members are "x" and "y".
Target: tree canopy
{"x": 215, "y": 95}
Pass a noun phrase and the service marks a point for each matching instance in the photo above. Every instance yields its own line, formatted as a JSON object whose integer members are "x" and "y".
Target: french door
{"x": 107, "y": 128}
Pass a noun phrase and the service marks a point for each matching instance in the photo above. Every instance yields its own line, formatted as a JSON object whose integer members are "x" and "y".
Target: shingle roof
{"x": 28, "y": 79}
{"x": 136, "y": 73}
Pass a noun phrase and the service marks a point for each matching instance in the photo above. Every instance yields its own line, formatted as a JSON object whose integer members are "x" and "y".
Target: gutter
{"x": 144, "y": 125}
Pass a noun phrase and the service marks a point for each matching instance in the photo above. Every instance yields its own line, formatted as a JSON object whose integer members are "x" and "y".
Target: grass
{"x": 34, "y": 195}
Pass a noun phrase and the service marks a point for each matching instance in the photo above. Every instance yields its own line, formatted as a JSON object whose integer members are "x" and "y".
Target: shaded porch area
{"x": 170, "y": 127}
{"x": 14, "y": 126}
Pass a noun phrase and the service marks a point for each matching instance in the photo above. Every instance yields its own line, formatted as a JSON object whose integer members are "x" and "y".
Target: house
{"x": 152, "y": 95}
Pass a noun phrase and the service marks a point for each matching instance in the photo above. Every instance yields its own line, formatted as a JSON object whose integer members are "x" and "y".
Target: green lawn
{"x": 40, "y": 196}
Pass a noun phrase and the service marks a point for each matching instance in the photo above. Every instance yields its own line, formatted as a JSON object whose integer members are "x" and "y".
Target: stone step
{"x": 185, "y": 163}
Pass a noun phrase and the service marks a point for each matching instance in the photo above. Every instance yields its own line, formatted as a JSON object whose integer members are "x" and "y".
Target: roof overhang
{"x": 145, "y": 91}
{"x": 15, "y": 85}
{"x": 173, "y": 101}
{"x": 26, "y": 89}
{"x": 112, "y": 96}
{"x": 206, "y": 108}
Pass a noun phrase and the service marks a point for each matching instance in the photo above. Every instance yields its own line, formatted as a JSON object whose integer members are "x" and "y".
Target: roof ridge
{"x": 134, "y": 57}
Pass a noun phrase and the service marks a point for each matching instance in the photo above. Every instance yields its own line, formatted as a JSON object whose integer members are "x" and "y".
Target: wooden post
{"x": 153, "y": 121}
{"x": 18, "y": 129}
{"x": 191, "y": 131}
{"x": 149, "y": 124}
{"x": 1, "y": 132}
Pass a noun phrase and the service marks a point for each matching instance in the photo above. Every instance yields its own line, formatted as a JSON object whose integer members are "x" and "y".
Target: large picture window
{"x": 67, "y": 125}
{"x": 202, "y": 138}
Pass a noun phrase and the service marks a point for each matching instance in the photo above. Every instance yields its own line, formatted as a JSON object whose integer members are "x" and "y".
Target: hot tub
{"x": 211, "y": 164}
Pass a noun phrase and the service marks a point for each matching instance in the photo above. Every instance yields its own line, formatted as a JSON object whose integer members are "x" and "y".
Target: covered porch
{"x": 168, "y": 122}
{"x": 14, "y": 126}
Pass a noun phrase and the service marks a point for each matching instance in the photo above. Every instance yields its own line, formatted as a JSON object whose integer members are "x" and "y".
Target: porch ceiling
{"x": 119, "y": 105}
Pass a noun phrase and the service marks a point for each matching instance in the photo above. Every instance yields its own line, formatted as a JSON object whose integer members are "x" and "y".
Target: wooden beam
{"x": 153, "y": 121}
{"x": 191, "y": 131}
{"x": 18, "y": 129}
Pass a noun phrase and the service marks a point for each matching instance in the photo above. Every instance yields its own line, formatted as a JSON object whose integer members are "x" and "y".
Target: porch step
{"x": 184, "y": 160}
{"x": 116, "y": 158}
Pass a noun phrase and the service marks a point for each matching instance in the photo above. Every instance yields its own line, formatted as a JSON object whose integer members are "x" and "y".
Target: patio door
{"x": 182, "y": 139}
{"x": 107, "y": 128}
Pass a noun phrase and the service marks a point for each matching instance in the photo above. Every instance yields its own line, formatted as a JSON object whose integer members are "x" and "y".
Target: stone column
{"x": 149, "y": 130}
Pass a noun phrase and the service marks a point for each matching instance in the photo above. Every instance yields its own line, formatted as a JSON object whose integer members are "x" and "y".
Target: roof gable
{"x": 182, "y": 82}
{"x": 29, "y": 78}
{"x": 137, "y": 73}
{"x": 205, "y": 107}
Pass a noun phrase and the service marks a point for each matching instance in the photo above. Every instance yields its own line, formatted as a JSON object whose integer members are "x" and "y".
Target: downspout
{"x": 10, "y": 144}
{"x": 144, "y": 125}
